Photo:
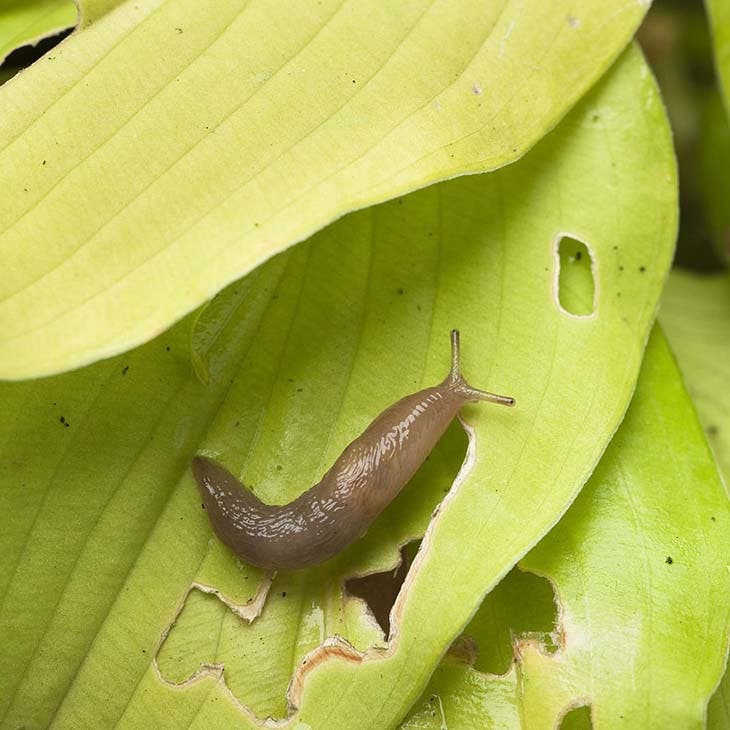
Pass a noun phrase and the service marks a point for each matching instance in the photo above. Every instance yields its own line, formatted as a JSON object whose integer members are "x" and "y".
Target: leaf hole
{"x": 577, "y": 718}
{"x": 380, "y": 590}
{"x": 523, "y": 606}
{"x": 26, "y": 55}
{"x": 574, "y": 281}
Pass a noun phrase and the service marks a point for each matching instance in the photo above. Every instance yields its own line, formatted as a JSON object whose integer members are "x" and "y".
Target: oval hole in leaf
{"x": 575, "y": 286}
{"x": 579, "y": 718}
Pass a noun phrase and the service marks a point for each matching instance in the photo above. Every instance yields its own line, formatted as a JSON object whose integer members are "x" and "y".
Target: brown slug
{"x": 364, "y": 479}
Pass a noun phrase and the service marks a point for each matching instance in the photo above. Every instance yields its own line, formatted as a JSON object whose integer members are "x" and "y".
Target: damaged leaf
{"x": 108, "y": 545}
{"x": 25, "y": 22}
{"x": 638, "y": 563}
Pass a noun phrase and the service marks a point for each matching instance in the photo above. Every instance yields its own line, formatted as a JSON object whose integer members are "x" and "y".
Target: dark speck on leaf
{"x": 63, "y": 420}
{"x": 642, "y": 269}
{"x": 712, "y": 430}
{"x": 418, "y": 307}
{"x": 279, "y": 467}
{"x": 615, "y": 248}
{"x": 124, "y": 369}
{"x": 167, "y": 349}
{"x": 578, "y": 255}
{"x": 669, "y": 560}
{"x": 620, "y": 268}
{"x": 291, "y": 380}
{"x": 202, "y": 505}
{"x": 299, "y": 390}
{"x": 713, "y": 518}
{"x": 401, "y": 290}
{"x": 283, "y": 594}
{"x": 596, "y": 117}
{"x": 178, "y": 30}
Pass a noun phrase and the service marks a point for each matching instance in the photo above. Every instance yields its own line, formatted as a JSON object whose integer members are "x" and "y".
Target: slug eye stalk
{"x": 456, "y": 380}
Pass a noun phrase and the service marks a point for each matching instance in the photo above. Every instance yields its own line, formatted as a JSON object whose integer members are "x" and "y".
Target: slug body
{"x": 364, "y": 479}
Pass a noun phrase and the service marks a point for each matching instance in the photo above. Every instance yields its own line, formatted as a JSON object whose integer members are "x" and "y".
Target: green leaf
{"x": 714, "y": 161}
{"x": 719, "y": 15}
{"x": 639, "y": 565}
{"x": 24, "y": 22}
{"x": 220, "y": 138}
{"x": 696, "y": 315}
{"x": 108, "y": 544}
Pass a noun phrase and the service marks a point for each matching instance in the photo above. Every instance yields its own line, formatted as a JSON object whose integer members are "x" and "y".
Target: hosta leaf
{"x": 108, "y": 544}
{"x": 714, "y": 148}
{"x": 696, "y": 315}
{"x": 719, "y": 14}
{"x": 640, "y": 567}
{"x": 170, "y": 147}
{"x": 29, "y": 21}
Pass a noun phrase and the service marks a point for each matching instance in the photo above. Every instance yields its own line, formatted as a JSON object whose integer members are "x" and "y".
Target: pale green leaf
{"x": 108, "y": 544}
{"x": 718, "y": 712}
{"x": 640, "y": 568}
{"x": 719, "y": 15}
{"x": 696, "y": 315}
{"x": 170, "y": 147}
{"x": 714, "y": 162}
{"x": 24, "y": 22}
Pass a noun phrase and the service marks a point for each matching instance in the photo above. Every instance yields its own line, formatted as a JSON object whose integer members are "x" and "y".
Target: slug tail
{"x": 456, "y": 380}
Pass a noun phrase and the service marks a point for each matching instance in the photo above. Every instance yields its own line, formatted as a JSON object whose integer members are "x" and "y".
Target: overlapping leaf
{"x": 696, "y": 315}
{"x": 639, "y": 564}
{"x": 28, "y": 21}
{"x": 171, "y": 146}
{"x": 108, "y": 539}
{"x": 714, "y": 148}
{"x": 719, "y": 14}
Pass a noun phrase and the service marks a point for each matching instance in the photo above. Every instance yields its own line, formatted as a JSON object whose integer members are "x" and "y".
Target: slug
{"x": 364, "y": 479}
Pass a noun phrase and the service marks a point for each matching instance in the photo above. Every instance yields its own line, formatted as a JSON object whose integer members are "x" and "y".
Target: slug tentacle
{"x": 455, "y": 380}
{"x": 364, "y": 479}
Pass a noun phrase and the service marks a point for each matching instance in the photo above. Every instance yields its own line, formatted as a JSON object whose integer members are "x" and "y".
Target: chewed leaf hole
{"x": 26, "y": 55}
{"x": 576, "y": 289}
{"x": 522, "y": 606}
{"x": 380, "y": 590}
{"x": 579, "y": 718}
